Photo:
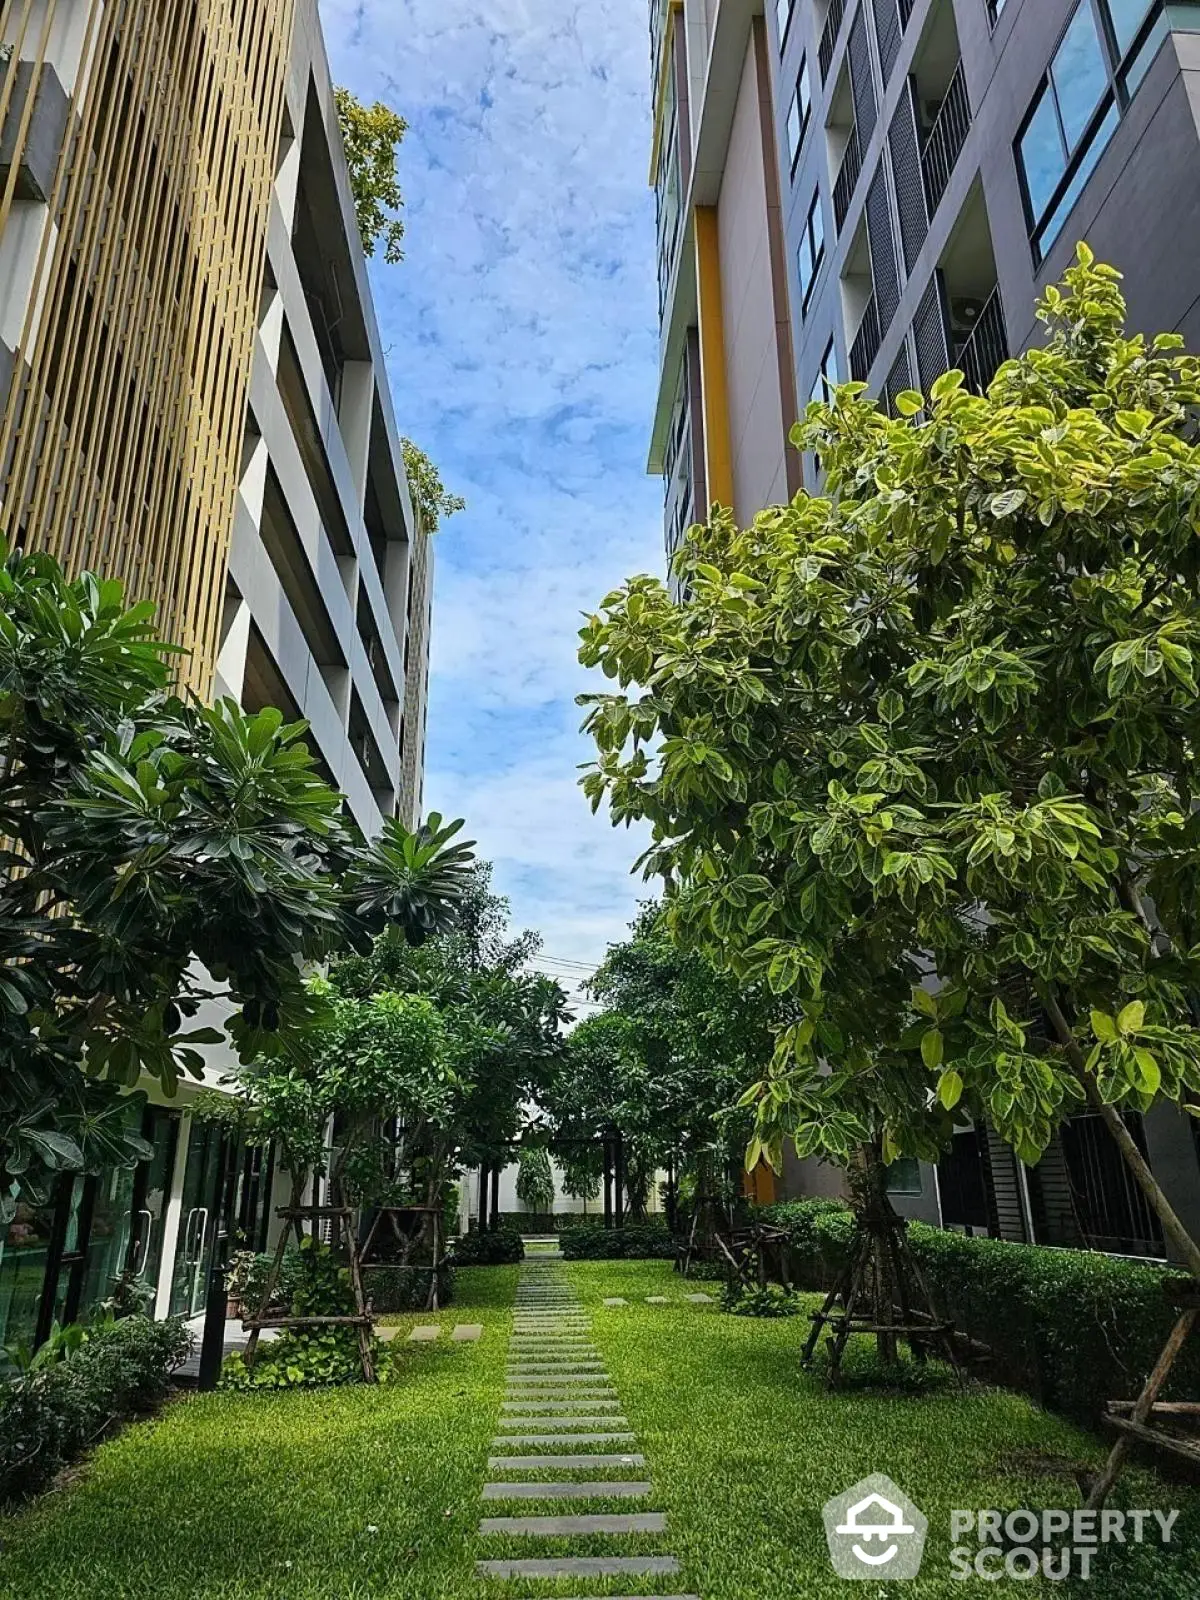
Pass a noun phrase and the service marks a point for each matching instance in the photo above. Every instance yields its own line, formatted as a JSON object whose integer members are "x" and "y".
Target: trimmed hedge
{"x": 52, "y": 1414}
{"x": 1074, "y": 1328}
{"x": 640, "y": 1240}
{"x": 546, "y": 1222}
{"x": 500, "y": 1249}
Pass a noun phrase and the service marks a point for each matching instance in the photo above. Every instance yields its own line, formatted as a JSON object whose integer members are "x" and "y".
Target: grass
{"x": 744, "y": 1449}
{"x": 275, "y": 1496}
{"x": 356, "y": 1493}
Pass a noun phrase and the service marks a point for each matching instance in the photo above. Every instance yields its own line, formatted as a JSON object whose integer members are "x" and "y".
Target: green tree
{"x": 921, "y": 752}
{"x": 158, "y": 852}
{"x": 535, "y": 1179}
{"x": 371, "y": 136}
{"x": 663, "y": 1062}
{"x": 430, "y": 495}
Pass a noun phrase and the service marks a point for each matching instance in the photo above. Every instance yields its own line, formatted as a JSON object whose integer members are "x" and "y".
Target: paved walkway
{"x": 558, "y": 1400}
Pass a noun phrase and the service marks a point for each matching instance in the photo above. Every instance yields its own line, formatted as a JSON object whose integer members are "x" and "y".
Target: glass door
{"x": 198, "y": 1220}
{"x": 161, "y": 1129}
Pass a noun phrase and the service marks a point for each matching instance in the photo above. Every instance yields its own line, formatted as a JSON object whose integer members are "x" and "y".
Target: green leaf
{"x": 1131, "y": 1017}
{"x": 908, "y": 402}
{"x": 924, "y": 1001}
{"x": 932, "y": 1048}
{"x": 950, "y": 1088}
{"x": 1004, "y": 505}
{"x": 1104, "y": 1027}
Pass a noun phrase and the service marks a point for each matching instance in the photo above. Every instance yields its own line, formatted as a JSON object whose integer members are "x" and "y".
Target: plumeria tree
{"x": 159, "y": 852}
{"x": 920, "y": 753}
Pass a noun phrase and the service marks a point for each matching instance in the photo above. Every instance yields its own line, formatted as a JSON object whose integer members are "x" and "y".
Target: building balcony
{"x": 829, "y": 34}
{"x": 866, "y": 343}
{"x": 945, "y": 139}
{"x": 847, "y": 179}
{"x": 981, "y": 354}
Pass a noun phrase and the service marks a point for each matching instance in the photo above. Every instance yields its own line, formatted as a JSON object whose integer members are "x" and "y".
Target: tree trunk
{"x": 1173, "y": 1226}
{"x": 495, "y": 1196}
{"x": 876, "y": 1215}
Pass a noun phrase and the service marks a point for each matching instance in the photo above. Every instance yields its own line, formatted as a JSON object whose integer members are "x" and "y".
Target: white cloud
{"x": 522, "y": 343}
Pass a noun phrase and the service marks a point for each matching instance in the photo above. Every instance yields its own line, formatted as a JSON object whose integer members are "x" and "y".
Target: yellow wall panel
{"x": 121, "y": 437}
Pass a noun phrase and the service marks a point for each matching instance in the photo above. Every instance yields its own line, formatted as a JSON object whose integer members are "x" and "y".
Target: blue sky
{"x": 521, "y": 333}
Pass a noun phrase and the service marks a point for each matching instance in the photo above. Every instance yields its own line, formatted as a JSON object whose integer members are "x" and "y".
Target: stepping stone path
{"x": 557, "y": 1387}
{"x": 424, "y": 1332}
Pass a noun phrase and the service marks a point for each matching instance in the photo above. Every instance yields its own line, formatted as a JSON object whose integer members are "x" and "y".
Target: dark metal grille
{"x": 884, "y": 271}
{"x": 929, "y": 334}
{"x": 946, "y": 139}
{"x": 906, "y": 170}
{"x": 898, "y": 379}
{"x": 888, "y": 35}
{"x": 981, "y": 356}
{"x": 861, "y": 83}
{"x": 829, "y": 34}
{"x": 866, "y": 343}
{"x": 847, "y": 179}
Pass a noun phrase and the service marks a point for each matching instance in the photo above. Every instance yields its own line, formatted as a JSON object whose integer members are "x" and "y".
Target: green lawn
{"x": 356, "y": 1493}
{"x": 744, "y": 1449}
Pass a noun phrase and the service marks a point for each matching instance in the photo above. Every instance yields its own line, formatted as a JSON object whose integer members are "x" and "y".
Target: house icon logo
{"x": 874, "y": 1531}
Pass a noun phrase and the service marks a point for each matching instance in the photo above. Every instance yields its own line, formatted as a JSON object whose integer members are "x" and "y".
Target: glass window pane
{"x": 1042, "y": 155}
{"x": 1127, "y": 17}
{"x": 804, "y": 90}
{"x": 24, "y": 1249}
{"x": 1136, "y": 70}
{"x": 1086, "y": 167}
{"x": 783, "y": 13}
{"x": 793, "y": 128}
{"x": 1080, "y": 74}
{"x": 816, "y": 223}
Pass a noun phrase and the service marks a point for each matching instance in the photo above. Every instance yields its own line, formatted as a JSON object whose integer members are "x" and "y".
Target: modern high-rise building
{"x": 726, "y": 396}
{"x": 194, "y": 398}
{"x": 929, "y": 167}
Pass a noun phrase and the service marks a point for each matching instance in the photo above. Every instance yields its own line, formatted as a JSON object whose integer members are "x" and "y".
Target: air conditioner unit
{"x": 964, "y": 314}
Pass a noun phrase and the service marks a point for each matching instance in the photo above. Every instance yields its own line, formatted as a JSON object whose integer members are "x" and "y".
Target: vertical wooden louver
{"x": 121, "y": 433}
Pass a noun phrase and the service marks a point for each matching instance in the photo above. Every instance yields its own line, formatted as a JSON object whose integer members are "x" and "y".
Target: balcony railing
{"x": 847, "y": 178}
{"x": 833, "y": 24}
{"x": 981, "y": 356}
{"x": 866, "y": 343}
{"x": 946, "y": 139}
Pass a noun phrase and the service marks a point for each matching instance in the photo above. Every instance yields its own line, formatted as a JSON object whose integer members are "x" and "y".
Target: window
{"x": 995, "y": 7}
{"x": 783, "y": 15}
{"x": 1099, "y": 63}
{"x": 798, "y": 113}
{"x": 812, "y": 249}
{"x": 828, "y": 376}
{"x": 904, "y": 1176}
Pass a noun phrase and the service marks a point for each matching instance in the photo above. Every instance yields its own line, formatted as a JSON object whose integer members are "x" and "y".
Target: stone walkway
{"x": 559, "y": 1397}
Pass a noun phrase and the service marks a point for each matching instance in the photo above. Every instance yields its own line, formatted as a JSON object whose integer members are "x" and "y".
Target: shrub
{"x": 636, "y": 1240}
{"x": 305, "y": 1357}
{"x": 1074, "y": 1328}
{"x": 49, "y": 1416}
{"x": 771, "y": 1300}
{"x": 389, "y": 1287}
{"x": 247, "y": 1278}
{"x": 500, "y": 1249}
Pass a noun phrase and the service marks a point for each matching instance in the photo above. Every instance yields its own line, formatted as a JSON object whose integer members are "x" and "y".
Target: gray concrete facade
{"x": 330, "y": 575}
{"x": 1138, "y": 206}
